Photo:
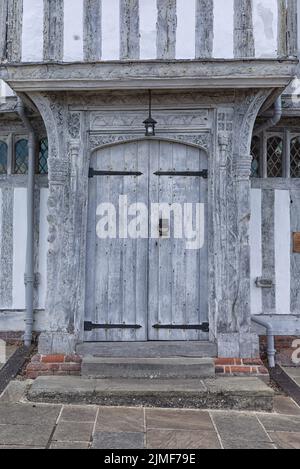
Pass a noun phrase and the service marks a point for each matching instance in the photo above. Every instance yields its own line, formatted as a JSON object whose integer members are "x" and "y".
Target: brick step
{"x": 218, "y": 393}
{"x": 152, "y": 368}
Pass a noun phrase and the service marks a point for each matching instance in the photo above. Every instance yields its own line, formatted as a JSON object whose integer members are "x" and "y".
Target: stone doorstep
{"x": 225, "y": 393}
{"x": 151, "y": 368}
{"x": 169, "y": 349}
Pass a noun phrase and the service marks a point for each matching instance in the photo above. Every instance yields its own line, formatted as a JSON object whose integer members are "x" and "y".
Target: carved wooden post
{"x": 223, "y": 226}
{"x": 234, "y": 335}
{"x": 242, "y": 176}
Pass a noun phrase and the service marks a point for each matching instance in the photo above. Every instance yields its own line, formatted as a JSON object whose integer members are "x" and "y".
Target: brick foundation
{"x": 58, "y": 365}
{"x": 240, "y": 367}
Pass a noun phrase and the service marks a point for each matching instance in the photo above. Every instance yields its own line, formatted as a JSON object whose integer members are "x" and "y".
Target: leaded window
{"x": 274, "y": 157}
{"x": 295, "y": 157}
{"x": 43, "y": 156}
{"x": 255, "y": 153}
{"x": 3, "y": 158}
{"x": 21, "y": 157}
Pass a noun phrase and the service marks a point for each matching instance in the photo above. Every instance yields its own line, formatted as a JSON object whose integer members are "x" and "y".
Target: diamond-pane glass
{"x": 21, "y": 157}
{"x": 3, "y": 158}
{"x": 43, "y": 156}
{"x": 255, "y": 153}
{"x": 274, "y": 157}
{"x": 295, "y": 157}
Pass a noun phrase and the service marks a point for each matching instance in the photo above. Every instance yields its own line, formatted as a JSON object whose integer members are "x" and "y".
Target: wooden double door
{"x": 143, "y": 280}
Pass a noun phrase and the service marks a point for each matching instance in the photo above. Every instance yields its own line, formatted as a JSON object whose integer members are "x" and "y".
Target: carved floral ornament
{"x": 203, "y": 141}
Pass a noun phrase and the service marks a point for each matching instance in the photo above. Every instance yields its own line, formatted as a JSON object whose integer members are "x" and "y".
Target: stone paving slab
{"x": 69, "y": 445}
{"x": 182, "y": 439}
{"x": 119, "y": 419}
{"x": 15, "y": 391}
{"x": 239, "y": 427}
{"x": 20, "y": 447}
{"x": 124, "y": 440}
{"x": 229, "y": 443}
{"x": 25, "y": 435}
{"x": 286, "y": 440}
{"x": 284, "y": 423}
{"x": 24, "y": 425}
{"x": 286, "y": 405}
{"x": 28, "y": 414}
{"x": 79, "y": 414}
{"x": 74, "y": 431}
{"x": 293, "y": 372}
{"x": 173, "y": 419}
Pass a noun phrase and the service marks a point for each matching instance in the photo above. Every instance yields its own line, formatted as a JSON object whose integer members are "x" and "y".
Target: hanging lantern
{"x": 150, "y": 123}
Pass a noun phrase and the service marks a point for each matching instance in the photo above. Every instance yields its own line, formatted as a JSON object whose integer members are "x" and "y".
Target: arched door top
{"x": 200, "y": 141}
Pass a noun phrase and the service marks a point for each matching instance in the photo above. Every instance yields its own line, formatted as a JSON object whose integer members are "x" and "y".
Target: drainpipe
{"x": 273, "y": 120}
{"x": 270, "y": 337}
{"x": 29, "y": 272}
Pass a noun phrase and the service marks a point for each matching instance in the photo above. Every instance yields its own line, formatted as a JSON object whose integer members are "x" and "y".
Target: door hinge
{"x": 93, "y": 172}
{"x": 203, "y": 174}
{"x": 204, "y": 327}
{"x": 89, "y": 326}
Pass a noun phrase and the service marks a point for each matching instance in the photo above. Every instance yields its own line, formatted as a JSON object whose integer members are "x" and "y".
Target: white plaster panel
{"x": 265, "y": 23}
{"x": 43, "y": 247}
{"x": 223, "y": 29}
{"x": 282, "y": 251}
{"x": 32, "y": 31}
{"x": 19, "y": 247}
{"x": 148, "y": 20}
{"x": 14, "y": 321}
{"x": 186, "y": 29}
{"x": 73, "y": 30}
{"x": 5, "y": 90}
{"x": 256, "y": 250}
{"x": 298, "y": 23}
{"x": 110, "y": 29}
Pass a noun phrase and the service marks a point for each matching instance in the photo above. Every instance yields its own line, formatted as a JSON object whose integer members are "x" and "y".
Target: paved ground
{"x": 55, "y": 426}
{"x": 9, "y": 351}
{"x": 293, "y": 373}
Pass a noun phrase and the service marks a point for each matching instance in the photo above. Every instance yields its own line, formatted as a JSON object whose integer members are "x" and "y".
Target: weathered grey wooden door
{"x": 146, "y": 288}
{"x": 178, "y": 275}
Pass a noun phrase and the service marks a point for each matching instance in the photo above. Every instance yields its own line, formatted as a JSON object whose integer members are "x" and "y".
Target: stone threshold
{"x": 219, "y": 393}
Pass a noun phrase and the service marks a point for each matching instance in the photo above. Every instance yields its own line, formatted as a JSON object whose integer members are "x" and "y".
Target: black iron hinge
{"x": 203, "y": 174}
{"x": 93, "y": 172}
{"x": 204, "y": 327}
{"x": 89, "y": 326}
